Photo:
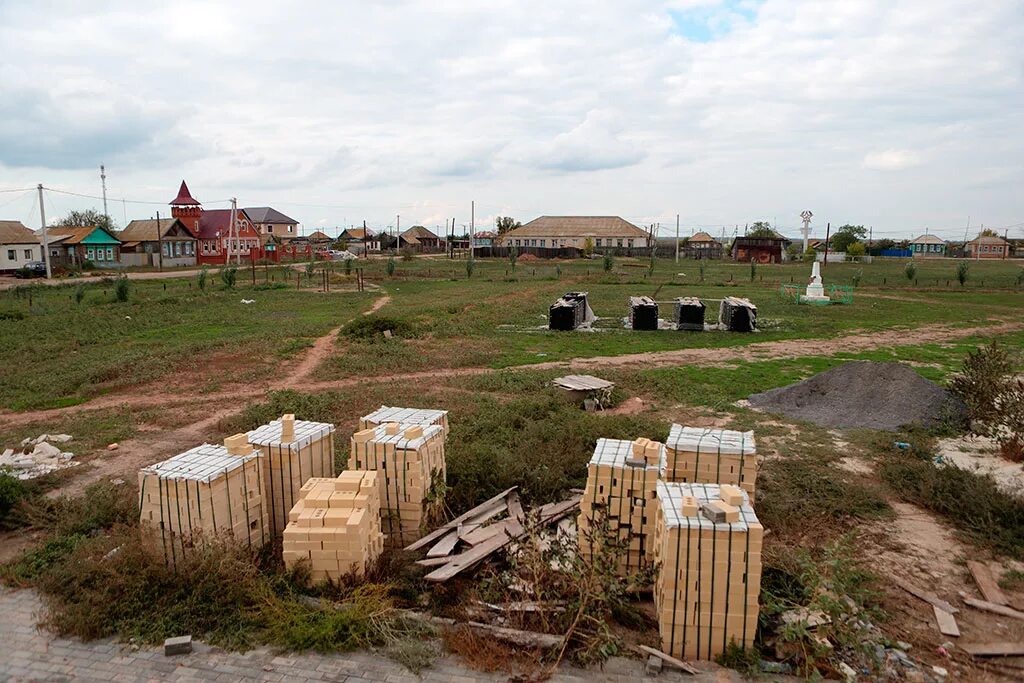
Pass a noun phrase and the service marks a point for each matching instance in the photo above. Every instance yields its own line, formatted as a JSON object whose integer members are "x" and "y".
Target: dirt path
{"x": 758, "y": 351}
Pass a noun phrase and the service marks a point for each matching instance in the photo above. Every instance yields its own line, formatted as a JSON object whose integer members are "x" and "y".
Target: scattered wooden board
{"x": 994, "y": 608}
{"x": 947, "y": 622}
{"x": 445, "y": 545}
{"x": 995, "y": 649}
{"x": 582, "y": 383}
{"x": 445, "y": 528}
{"x": 986, "y": 583}
{"x": 668, "y": 659}
{"x": 927, "y": 597}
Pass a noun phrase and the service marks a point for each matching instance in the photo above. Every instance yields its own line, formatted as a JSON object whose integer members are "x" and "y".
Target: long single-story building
{"x": 18, "y": 246}
{"x": 987, "y": 246}
{"x": 75, "y": 247}
{"x": 171, "y": 244}
{"x": 560, "y": 232}
{"x": 927, "y": 246}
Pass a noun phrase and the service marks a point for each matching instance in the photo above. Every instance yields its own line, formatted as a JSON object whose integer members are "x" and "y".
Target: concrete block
{"x": 180, "y": 645}
{"x": 653, "y": 666}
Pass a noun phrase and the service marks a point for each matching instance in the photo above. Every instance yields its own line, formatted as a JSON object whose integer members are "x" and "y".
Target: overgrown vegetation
{"x": 122, "y": 288}
{"x": 962, "y": 270}
{"x": 371, "y": 328}
{"x": 12, "y": 491}
{"x": 228, "y": 276}
{"x": 910, "y": 270}
{"x": 994, "y": 396}
{"x": 201, "y": 278}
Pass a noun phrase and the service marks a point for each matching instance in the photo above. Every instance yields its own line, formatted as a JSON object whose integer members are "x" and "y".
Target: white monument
{"x": 815, "y": 289}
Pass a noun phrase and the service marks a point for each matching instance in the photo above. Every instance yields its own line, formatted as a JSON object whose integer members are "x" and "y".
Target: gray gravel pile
{"x": 864, "y": 394}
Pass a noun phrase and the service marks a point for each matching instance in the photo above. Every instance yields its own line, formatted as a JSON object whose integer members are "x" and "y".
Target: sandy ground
{"x": 981, "y": 455}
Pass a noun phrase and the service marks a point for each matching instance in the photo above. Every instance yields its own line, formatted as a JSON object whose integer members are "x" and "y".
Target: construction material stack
{"x": 408, "y": 416}
{"x": 293, "y": 451}
{"x": 620, "y": 492}
{"x": 643, "y": 313}
{"x": 737, "y": 315}
{"x": 208, "y": 491}
{"x": 689, "y": 314}
{"x": 412, "y": 473}
{"x": 335, "y": 526}
{"x": 708, "y": 552}
{"x": 698, "y": 455}
{"x": 569, "y": 312}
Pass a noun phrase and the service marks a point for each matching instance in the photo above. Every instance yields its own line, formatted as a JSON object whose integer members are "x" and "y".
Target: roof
{"x": 988, "y": 239}
{"x": 418, "y": 232}
{"x": 318, "y": 236}
{"x": 213, "y": 221}
{"x": 927, "y": 239}
{"x": 146, "y": 230}
{"x": 184, "y": 197}
{"x": 358, "y": 233}
{"x": 485, "y": 235}
{"x": 78, "y": 235}
{"x": 577, "y": 226}
{"x": 14, "y": 232}
{"x": 267, "y": 214}
{"x": 702, "y": 237}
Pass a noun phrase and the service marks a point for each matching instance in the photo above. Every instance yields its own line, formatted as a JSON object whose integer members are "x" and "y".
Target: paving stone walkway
{"x": 30, "y": 654}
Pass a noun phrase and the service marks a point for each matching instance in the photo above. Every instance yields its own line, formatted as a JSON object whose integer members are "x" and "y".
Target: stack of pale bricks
{"x": 410, "y": 462}
{"x": 335, "y": 526}
{"x": 684, "y": 507}
{"x": 615, "y": 510}
{"x": 208, "y": 491}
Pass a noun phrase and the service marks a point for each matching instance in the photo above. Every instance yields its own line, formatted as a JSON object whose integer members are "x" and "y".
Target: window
{"x": 90, "y": 253}
{"x": 28, "y": 254}
{"x": 630, "y": 244}
{"x": 270, "y": 228}
{"x": 55, "y": 253}
{"x": 110, "y": 253}
{"x": 618, "y": 243}
{"x": 289, "y": 228}
{"x": 542, "y": 243}
{"x": 10, "y": 254}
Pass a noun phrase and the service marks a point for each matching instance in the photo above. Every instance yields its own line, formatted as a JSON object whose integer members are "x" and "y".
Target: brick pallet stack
{"x": 409, "y": 416}
{"x": 410, "y": 461}
{"x": 643, "y": 313}
{"x": 335, "y": 526}
{"x": 209, "y": 491}
{"x": 711, "y": 456}
{"x": 293, "y": 451}
{"x": 708, "y": 551}
{"x": 689, "y": 314}
{"x": 621, "y": 488}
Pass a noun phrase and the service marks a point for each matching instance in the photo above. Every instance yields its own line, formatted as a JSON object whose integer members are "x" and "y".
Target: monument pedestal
{"x": 815, "y": 290}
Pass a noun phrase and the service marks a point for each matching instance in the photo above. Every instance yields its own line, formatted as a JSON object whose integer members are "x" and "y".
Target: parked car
{"x": 336, "y": 255}
{"x": 31, "y": 269}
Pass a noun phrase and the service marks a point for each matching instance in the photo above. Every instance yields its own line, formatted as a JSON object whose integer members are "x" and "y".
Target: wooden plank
{"x": 995, "y": 649}
{"x": 927, "y": 597}
{"x": 668, "y": 659}
{"x": 446, "y": 545}
{"x": 515, "y": 508}
{"x": 994, "y": 608}
{"x": 445, "y": 528}
{"x": 517, "y": 637}
{"x": 947, "y": 622}
{"x": 434, "y": 561}
{"x": 986, "y": 583}
{"x": 481, "y": 534}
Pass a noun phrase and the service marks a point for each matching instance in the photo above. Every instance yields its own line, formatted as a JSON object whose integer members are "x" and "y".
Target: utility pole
{"x": 160, "y": 241}
{"x": 234, "y": 227}
{"x": 103, "y": 182}
{"x": 677, "y": 238}
{"x": 828, "y": 231}
{"x": 46, "y": 244}
{"x": 398, "y": 224}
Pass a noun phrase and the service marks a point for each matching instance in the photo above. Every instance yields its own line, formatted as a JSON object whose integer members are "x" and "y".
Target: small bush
{"x": 470, "y": 266}
{"x": 79, "y": 293}
{"x": 407, "y": 254}
{"x": 11, "y": 314}
{"x": 228, "y": 276}
{"x": 753, "y": 269}
{"x": 608, "y": 263}
{"x": 371, "y": 328}
{"x": 962, "y": 270}
{"x": 810, "y": 256}
{"x": 855, "y": 280}
{"x": 701, "y": 267}
{"x": 267, "y": 286}
{"x": 12, "y": 490}
{"x": 310, "y": 270}
{"x": 201, "y": 278}
{"x": 122, "y": 288}
{"x": 910, "y": 270}
{"x": 513, "y": 256}
{"x": 982, "y": 380}
{"x": 390, "y": 266}
{"x": 348, "y": 266}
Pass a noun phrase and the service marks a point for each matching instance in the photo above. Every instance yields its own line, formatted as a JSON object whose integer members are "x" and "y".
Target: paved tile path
{"x": 28, "y": 654}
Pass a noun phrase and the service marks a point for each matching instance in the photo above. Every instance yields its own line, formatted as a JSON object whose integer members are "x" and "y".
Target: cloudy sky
{"x": 904, "y": 115}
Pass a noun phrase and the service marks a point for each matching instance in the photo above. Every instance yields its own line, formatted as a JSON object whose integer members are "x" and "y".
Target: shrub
{"x": 370, "y": 328}
{"x": 407, "y": 254}
{"x": 558, "y": 271}
{"x": 753, "y": 269}
{"x": 228, "y": 276}
{"x": 962, "y": 269}
{"x": 79, "y": 293}
{"x": 11, "y": 314}
{"x": 310, "y": 270}
{"x": 910, "y": 270}
{"x": 982, "y": 380}
{"x": 1020, "y": 277}
{"x": 608, "y": 263}
{"x": 810, "y": 255}
{"x": 470, "y": 265}
{"x": 701, "y": 267}
{"x": 122, "y": 288}
{"x": 513, "y": 256}
{"x": 201, "y": 278}
{"x": 857, "y": 277}
{"x": 390, "y": 266}
{"x": 12, "y": 490}
{"x": 348, "y": 266}
{"x": 856, "y": 249}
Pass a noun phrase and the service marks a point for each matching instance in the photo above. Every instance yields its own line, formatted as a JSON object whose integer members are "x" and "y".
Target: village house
{"x": 759, "y": 249}
{"x": 18, "y": 246}
{"x": 72, "y": 248}
{"x": 485, "y": 238}
{"x": 702, "y": 246}
{"x": 987, "y": 246}
{"x": 360, "y": 240}
{"x": 420, "y": 239}
{"x": 165, "y": 243}
{"x": 927, "y": 246}
{"x": 559, "y": 232}
{"x": 270, "y": 222}
{"x": 218, "y": 240}
{"x": 317, "y": 244}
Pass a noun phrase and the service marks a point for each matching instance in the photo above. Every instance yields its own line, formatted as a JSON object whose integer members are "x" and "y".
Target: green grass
{"x": 63, "y": 352}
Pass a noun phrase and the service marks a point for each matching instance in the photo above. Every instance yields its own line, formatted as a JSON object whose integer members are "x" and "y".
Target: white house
{"x": 18, "y": 246}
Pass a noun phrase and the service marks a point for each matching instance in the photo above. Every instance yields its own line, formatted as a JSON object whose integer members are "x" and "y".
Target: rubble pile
{"x": 36, "y": 457}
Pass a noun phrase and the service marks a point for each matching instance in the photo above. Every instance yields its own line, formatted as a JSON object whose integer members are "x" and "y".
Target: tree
{"x": 506, "y": 223}
{"x": 760, "y": 229}
{"x": 847, "y": 235}
{"x": 988, "y": 232}
{"x": 856, "y": 249}
{"x": 588, "y": 247}
{"x": 340, "y": 244}
{"x": 87, "y": 218}
{"x": 793, "y": 251}
{"x": 884, "y": 244}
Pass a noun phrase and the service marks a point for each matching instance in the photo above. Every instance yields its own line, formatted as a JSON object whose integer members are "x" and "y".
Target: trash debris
{"x": 112, "y": 447}
{"x": 248, "y": 301}
{"x": 42, "y": 458}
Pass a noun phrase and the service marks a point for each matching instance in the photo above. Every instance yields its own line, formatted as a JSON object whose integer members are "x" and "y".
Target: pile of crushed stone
{"x": 864, "y": 394}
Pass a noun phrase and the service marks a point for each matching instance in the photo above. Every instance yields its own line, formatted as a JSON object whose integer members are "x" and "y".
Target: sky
{"x": 903, "y": 115}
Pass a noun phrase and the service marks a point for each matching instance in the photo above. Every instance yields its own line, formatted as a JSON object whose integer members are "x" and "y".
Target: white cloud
{"x": 346, "y": 111}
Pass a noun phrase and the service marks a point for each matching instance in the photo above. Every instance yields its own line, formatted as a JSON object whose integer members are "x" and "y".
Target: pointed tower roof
{"x": 184, "y": 197}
